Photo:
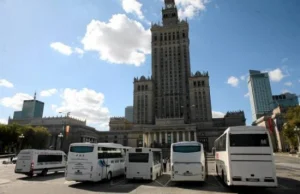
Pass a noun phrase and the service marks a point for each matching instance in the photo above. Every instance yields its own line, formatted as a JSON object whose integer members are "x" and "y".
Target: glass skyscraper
{"x": 260, "y": 93}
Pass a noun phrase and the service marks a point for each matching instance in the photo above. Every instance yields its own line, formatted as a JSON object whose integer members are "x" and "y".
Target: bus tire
{"x": 44, "y": 172}
{"x": 223, "y": 177}
{"x": 109, "y": 176}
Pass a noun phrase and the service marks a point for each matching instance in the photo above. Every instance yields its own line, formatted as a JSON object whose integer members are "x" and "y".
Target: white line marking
{"x": 167, "y": 182}
{"x": 218, "y": 182}
{"x": 283, "y": 186}
{"x": 158, "y": 183}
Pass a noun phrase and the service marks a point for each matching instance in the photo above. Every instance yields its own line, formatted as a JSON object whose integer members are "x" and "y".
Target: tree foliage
{"x": 292, "y": 118}
{"x": 34, "y": 137}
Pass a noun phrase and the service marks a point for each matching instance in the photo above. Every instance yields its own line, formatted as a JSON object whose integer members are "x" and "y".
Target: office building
{"x": 31, "y": 109}
{"x": 260, "y": 93}
{"x": 285, "y": 100}
{"x": 129, "y": 113}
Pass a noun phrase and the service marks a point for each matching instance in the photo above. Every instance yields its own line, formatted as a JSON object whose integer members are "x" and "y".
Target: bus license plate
{"x": 187, "y": 174}
{"x": 252, "y": 180}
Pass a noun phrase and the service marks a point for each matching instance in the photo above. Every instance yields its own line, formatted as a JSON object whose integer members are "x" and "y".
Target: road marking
{"x": 283, "y": 186}
{"x": 218, "y": 182}
{"x": 158, "y": 183}
{"x": 167, "y": 182}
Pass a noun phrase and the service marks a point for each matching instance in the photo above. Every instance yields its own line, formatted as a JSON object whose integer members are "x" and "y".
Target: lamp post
{"x": 297, "y": 130}
{"x": 21, "y": 137}
{"x": 61, "y": 138}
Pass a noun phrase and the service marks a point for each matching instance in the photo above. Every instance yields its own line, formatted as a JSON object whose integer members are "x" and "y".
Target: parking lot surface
{"x": 288, "y": 173}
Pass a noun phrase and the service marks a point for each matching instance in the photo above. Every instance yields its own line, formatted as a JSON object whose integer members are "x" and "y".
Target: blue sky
{"x": 82, "y": 55}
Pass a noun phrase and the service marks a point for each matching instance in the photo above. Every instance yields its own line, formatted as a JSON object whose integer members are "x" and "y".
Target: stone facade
{"x": 173, "y": 104}
{"x": 119, "y": 124}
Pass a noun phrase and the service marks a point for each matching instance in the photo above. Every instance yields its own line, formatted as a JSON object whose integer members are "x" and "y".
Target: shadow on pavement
{"x": 48, "y": 177}
{"x": 117, "y": 185}
{"x": 289, "y": 183}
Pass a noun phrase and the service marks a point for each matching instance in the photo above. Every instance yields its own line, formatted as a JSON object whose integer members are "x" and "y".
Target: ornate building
{"x": 173, "y": 104}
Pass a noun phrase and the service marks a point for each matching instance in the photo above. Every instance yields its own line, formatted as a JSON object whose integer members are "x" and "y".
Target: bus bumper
{"x": 177, "y": 177}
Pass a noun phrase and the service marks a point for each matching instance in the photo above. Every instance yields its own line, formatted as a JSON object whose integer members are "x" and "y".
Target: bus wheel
{"x": 109, "y": 176}
{"x": 44, "y": 172}
{"x": 223, "y": 177}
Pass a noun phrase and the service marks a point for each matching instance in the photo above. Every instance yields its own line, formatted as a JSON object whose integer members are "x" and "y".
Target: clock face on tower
{"x": 169, "y": 5}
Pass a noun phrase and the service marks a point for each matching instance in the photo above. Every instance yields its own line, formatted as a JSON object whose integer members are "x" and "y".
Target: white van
{"x": 40, "y": 162}
{"x": 143, "y": 163}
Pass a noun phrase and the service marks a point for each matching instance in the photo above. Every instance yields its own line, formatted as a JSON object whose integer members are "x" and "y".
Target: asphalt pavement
{"x": 288, "y": 173}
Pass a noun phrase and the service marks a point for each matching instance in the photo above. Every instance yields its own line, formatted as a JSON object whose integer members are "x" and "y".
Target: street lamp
{"x": 61, "y": 137}
{"x": 21, "y": 137}
{"x": 297, "y": 130}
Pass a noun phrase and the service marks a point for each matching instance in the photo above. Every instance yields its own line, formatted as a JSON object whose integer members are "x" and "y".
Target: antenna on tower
{"x": 34, "y": 98}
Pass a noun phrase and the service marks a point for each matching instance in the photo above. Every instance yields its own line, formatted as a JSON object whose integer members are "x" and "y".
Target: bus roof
{"x": 186, "y": 143}
{"x": 113, "y": 145}
{"x": 245, "y": 128}
{"x": 145, "y": 149}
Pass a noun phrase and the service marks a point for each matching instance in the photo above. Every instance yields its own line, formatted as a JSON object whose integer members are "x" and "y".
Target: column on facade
{"x": 195, "y": 135}
{"x": 155, "y": 137}
{"x": 189, "y": 132}
{"x": 160, "y": 137}
{"x": 166, "y": 136}
{"x": 172, "y": 138}
{"x": 144, "y": 139}
{"x": 183, "y": 136}
{"x": 177, "y": 134}
{"x": 149, "y": 139}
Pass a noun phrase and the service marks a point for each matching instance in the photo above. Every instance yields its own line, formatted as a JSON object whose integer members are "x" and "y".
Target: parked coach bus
{"x": 143, "y": 163}
{"x": 188, "y": 161}
{"x": 31, "y": 162}
{"x": 95, "y": 162}
{"x": 244, "y": 156}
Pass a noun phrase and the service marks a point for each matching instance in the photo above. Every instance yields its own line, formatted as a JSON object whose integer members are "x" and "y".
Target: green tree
{"x": 292, "y": 117}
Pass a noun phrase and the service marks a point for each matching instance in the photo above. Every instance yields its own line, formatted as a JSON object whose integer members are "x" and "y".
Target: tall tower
{"x": 260, "y": 93}
{"x": 171, "y": 65}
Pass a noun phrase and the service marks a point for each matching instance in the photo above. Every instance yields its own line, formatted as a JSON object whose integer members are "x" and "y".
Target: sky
{"x": 82, "y": 55}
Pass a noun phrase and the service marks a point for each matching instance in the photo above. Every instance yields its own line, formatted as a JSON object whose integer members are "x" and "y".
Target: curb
{"x": 288, "y": 155}
{"x": 4, "y": 181}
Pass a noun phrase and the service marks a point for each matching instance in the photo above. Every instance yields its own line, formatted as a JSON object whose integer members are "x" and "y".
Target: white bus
{"x": 188, "y": 161}
{"x": 95, "y": 162}
{"x": 244, "y": 156}
{"x": 40, "y": 162}
{"x": 143, "y": 163}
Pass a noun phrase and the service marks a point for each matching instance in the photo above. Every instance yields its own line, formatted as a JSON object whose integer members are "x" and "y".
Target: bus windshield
{"x": 187, "y": 149}
{"x": 249, "y": 140}
{"x": 139, "y": 157}
{"x": 82, "y": 149}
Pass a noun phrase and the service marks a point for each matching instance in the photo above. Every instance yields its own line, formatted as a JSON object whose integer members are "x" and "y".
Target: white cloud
{"x": 133, "y": 6}
{"x": 85, "y": 104}
{"x": 3, "y": 121}
{"x": 246, "y": 95}
{"x": 243, "y": 77}
{"x": 16, "y": 101}
{"x": 120, "y": 41}
{"x": 47, "y": 93}
{"x": 288, "y": 83}
{"x": 216, "y": 114}
{"x": 62, "y": 48}
{"x": 233, "y": 81}
{"x": 276, "y": 75}
{"x": 190, "y": 8}
{"x": 79, "y": 51}
{"x": 5, "y": 83}
{"x": 285, "y": 91}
